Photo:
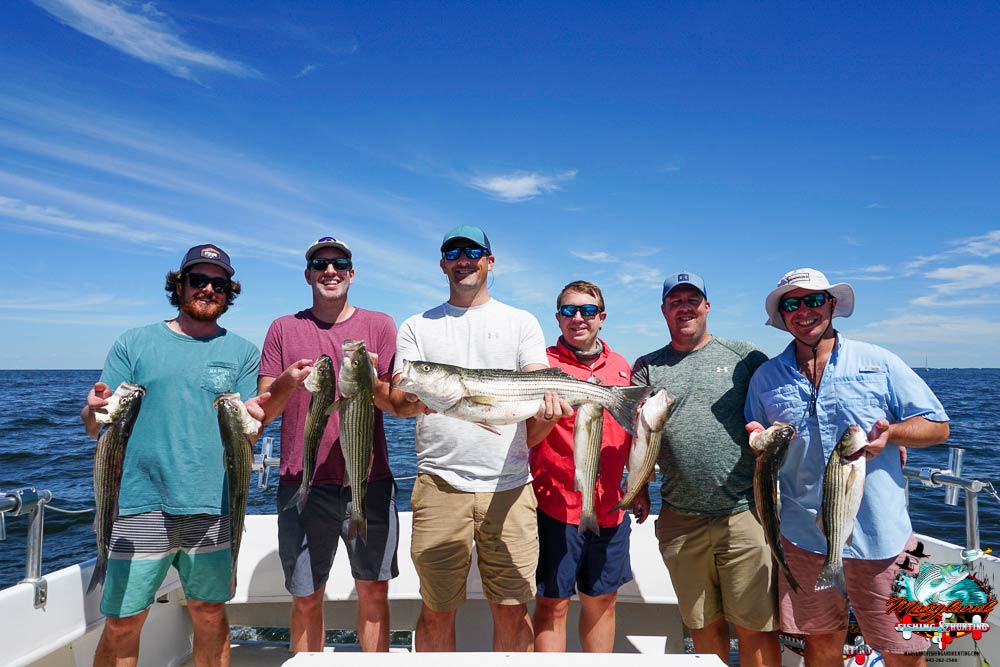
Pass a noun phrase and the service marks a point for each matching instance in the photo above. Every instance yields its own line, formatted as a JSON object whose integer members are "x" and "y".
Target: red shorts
{"x": 869, "y": 585}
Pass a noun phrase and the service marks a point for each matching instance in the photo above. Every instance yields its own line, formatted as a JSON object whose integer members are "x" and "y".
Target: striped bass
{"x": 843, "y": 486}
{"x": 234, "y": 426}
{"x": 646, "y": 444}
{"x": 109, "y": 455}
{"x": 323, "y": 387}
{"x": 588, "y": 432}
{"x": 773, "y": 445}
{"x": 489, "y": 396}
{"x": 356, "y": 404}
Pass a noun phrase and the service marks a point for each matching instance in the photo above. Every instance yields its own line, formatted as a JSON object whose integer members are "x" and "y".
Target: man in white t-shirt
{"x": 474, "y": 485}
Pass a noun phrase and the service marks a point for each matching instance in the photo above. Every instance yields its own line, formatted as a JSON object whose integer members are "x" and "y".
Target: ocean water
{"x": 43, "y": 445}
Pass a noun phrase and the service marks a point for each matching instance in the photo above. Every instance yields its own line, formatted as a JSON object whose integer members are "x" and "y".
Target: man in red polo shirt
{"x": 593, "y": 565}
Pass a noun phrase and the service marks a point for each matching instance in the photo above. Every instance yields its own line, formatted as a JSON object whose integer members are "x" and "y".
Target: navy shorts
{"x": 593, "y": 565}
{"x": 307, "y": 542}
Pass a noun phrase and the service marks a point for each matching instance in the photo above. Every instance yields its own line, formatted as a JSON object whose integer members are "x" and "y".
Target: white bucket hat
{"x": 807, "y": 279}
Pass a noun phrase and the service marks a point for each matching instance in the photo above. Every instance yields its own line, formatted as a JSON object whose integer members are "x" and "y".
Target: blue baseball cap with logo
{"x": 207, "y": 254}
{"x": 683, "y": 278}
{"x": 467, "y": 233}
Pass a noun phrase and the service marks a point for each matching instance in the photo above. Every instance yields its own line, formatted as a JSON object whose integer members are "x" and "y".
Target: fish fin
{"x": 791, "y": 579}
{"x": 334, "y": 406}
{"x": 489, "y": 427}
{"x": 588, "y": 521}
{"x": 298, "y": 500}
{"x": 100, "y": 570}
{"x": 481, "y": 400}
{"x": 625, "y": 405}
{"x": 832, "y": 576}
{"x": 552, "y": 372}
{"x": 358, "y": 527}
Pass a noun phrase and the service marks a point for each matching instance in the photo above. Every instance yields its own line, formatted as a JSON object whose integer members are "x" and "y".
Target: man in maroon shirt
{"x": 307, "y": 542}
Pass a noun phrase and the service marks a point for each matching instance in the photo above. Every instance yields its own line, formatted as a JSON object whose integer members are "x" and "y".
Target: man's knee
{"x": 372, "y": 591}
{"x": 123, "y": 629}
{"x": 551, "y": 608}
{"x": 207, "y": 613}
{"x": 309, "y": 603}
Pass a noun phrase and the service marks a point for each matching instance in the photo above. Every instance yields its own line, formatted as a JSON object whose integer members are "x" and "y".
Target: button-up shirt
{"x": 861, "y": 384}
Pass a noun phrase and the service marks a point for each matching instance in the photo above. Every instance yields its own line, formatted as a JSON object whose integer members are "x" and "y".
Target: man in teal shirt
{"x": 172, "y": 507}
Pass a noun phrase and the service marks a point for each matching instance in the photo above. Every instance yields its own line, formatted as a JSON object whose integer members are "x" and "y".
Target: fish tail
{"x": 625, "y": 405}
{"x": 832, "y": 576}
{"x": 358, "y": 527}
{"x": 100, "y": 570}
{"x": 299, "y": 499}
{"x": 588, "y": 521}
{"x": 791, "y": 579}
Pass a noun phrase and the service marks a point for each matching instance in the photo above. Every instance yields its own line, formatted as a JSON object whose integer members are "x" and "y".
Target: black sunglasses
{"x": 199, "y": 280}
{"x": 587, "y": 310}
{"x": 470, "y": 252}
{"x": 792, "y": 303}
{"x": 339, "y": 263}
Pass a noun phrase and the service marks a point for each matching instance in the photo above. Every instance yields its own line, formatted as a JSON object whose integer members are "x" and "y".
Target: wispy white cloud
{"x": 926, "y": 329}
{"x": 600, "y": 257}
{"x": 966, "y": 285}
{"x": 641, "y": 276}
{"x": 869, "y": 273}
{"x": 83, "y": 302}
{"x": 983, "y": 245}
{"x": 851, "y": 240}
{"x": 876, "y": 205}
{"x": 142, "y": 31}
{"x": 306, "y": 71}
{"x": 520, "y": 186}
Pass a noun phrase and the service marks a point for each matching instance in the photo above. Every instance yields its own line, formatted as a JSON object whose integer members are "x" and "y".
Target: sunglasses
{"x": 339, "y": 263}
{"x": 587, "y": 310}
{"x": 470, "y": 252}
{"x": 792, "y": 303}
{"x": 199, "y": 280}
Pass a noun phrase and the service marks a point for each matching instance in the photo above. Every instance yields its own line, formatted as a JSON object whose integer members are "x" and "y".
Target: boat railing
{"x": 30, "y": 502}
{"x": 952, "y": 481}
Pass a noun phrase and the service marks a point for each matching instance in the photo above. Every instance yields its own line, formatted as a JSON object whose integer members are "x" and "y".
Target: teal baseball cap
{"x": 683, "y": 278}
{"x": 467, "y": 233}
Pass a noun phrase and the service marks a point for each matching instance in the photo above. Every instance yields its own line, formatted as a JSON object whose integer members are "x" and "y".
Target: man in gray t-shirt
{"x": 710, "y": 539}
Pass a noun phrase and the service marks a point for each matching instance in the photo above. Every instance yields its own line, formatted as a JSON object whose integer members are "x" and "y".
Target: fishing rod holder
{"x": 30, "y": 502}
{"x": 264, "y": 461}
{"x": 952, "y": 481}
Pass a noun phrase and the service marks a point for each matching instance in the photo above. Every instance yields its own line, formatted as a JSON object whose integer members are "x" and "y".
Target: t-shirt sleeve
{"x": 117, "y": 366}
{"x": 246, "y": 383}
{"x": 640, "y": 372}
{"x": 385, "y": 346}
{"x": 753, "y": 408}
{"x": 271, "y": 361}
{"x": 406, "y": 345}
{"x": 532, "y": 347}
{"x": 909, "y": 395}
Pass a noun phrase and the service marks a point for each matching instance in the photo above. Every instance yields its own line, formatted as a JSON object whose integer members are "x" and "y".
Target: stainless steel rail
{"x": 31, "y": 502}
{"x": 951, "y": 479}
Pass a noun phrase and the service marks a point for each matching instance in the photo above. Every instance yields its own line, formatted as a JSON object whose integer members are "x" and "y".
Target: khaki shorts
{"x": 445, "y": 523}
{"x": 720, "y": 567}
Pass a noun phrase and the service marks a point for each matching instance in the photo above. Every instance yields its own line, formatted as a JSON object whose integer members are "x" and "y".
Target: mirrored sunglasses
{"x": 470, "y": 252}
{"x": 793, "y": 303}
{"x": 587, "y": 310}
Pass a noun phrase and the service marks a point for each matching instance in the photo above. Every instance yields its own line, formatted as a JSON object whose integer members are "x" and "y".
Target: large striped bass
{"x": 234, "y": 426}
{"x": 490, "y": 396}
{"x": 646, "y": 444}
{"x": 356, "y": 384}
{"x": 773, "y": 445}
{"x": 588, "y": 432}
{"x": 323, "y": 387}
{"x": 119, "y": 416}
{"x": 843, "y": 486}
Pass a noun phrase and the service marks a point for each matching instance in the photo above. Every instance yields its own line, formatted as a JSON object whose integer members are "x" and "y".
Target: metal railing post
{"x": 955, "y": 469}
{"x": 971, "y": 519}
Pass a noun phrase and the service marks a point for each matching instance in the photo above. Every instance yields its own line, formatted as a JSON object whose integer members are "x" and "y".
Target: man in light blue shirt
{"x": 821, "y": 384}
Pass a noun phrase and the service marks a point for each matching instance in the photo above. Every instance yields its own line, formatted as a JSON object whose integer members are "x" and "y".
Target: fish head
{"x": 778, "y": 434}
{"x": 355, "y": 367}
{"x": 851, "y": 442}
{"x": 656, "y": 409}
{"x": 122, "y": 405}
{"x": 321, "y": 375}
{"x": 438, "y": 386}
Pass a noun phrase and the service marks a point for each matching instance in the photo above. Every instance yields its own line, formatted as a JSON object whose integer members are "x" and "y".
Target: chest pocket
{"x": 785, "y": 404}
{"x": 218, "y": 377}
{"x": 863, "y": 396}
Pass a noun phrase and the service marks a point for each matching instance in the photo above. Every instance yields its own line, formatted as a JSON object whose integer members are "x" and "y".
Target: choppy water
{"x": 43, "y": 445}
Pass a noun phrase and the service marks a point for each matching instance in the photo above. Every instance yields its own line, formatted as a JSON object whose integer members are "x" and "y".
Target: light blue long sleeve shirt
{"x": 861, "y": 384}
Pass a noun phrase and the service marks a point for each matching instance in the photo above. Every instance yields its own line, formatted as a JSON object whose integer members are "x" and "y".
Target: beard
{"x": 203, "y": 312}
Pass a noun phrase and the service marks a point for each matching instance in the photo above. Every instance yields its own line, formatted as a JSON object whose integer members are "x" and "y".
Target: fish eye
{"x": 425, "y": 368}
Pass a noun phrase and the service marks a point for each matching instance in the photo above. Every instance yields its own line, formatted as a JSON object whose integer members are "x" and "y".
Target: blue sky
{"x": 613, "y": 142}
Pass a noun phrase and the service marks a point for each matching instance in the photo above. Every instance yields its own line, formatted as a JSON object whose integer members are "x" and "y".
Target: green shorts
{"x": 144, "y": 546}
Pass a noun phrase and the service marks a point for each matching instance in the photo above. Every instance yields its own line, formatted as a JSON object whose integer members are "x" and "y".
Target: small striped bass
{"x": 588, "y": 432}
{"x": 323, "y": 387}
{"x": 490, "y": 396}
{"x": 356, "y": 384}
{"x": 773, "y": 445}
{"x": 121, "y": 412}
{"x": 843, "y": 487}
{"x": 646, "y": 444}
{"x": 234, "y": 426}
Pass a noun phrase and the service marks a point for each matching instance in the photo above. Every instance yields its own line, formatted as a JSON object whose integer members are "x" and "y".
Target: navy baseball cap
{"x": 327, "y": 242}
{"x": 468, "y": 233}
{"x": 683, "y": 278}
{"x": 207, "y": 254}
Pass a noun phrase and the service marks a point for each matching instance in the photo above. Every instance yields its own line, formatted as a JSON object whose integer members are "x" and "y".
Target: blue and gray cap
{"x": 467, "y": 233}
{"x": 208, "y": 253}
{"x": 683, "y": 278}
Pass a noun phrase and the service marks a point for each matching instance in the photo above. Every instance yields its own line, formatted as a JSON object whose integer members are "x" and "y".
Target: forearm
{"x": 918, "y": 432}
{"x": 90, "y": 423}
{"x": 538, "y": 430}
{"x": 281, "y": 389}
